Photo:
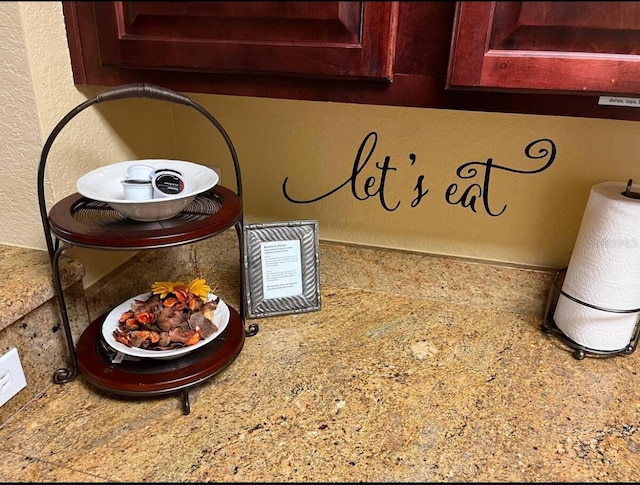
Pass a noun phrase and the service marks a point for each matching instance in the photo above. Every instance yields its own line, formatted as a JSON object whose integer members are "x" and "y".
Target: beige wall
{"x": 314, "y": 145}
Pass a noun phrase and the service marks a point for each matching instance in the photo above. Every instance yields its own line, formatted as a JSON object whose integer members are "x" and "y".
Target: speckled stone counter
{"x": 30, "y": 318}
{"x": 416, "y": 368}
{"x": 29, "y": 271}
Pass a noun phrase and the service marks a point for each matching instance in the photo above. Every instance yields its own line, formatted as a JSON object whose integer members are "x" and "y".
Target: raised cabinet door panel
{"x": 343, "y": 40}
{"x": 380, "y": 53}
{"x": 578, "y": 47}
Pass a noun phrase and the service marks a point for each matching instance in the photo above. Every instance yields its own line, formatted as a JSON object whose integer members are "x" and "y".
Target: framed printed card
{"x": 282, "y": 270}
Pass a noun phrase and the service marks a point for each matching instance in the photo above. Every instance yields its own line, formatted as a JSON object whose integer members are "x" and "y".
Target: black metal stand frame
{"x": 54, "y": 246}
{"x": 580, "y": 351}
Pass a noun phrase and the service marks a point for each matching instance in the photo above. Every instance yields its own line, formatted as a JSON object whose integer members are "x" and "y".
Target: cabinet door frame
{"x": 362, "y": 46}
{"x": 420, "y": 68}
{"x": 473, "y": 64}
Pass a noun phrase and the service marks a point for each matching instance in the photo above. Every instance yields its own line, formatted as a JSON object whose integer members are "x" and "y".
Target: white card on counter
{"x": 281, "y": 268}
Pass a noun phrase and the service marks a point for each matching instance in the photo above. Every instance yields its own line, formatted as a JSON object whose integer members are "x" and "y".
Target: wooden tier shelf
{"x": 80, "y": 221}
{"x": 151, "y": 377}
{"x": 85, "y": 222}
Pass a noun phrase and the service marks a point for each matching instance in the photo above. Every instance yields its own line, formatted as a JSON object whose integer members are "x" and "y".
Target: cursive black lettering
{"x": 467, "y": 199}
{"x": 545, "y": 147}
{"x": 371, "y": 186}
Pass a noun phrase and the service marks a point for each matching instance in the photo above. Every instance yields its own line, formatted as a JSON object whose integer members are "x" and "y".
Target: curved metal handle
{"x": 143, "y": 90}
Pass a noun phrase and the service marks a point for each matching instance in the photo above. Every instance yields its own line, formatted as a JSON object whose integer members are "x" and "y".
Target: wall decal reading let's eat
{"x": 471, "y": 190}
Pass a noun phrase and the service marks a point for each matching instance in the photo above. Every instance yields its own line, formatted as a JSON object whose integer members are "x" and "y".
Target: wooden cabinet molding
{"x": 382, "y": 53}
{"x": 557, "y": 47}
{"x": 345, "y": 40}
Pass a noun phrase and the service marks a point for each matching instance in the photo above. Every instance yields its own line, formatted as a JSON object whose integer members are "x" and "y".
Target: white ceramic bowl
{"x": 105, "y": 184}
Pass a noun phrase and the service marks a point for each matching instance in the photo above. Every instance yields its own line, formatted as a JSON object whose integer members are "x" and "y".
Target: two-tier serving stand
{"x": 80, "y": 221}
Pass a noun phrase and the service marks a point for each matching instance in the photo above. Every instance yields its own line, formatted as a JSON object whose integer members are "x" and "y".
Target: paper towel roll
{"x": 604, "y": 270}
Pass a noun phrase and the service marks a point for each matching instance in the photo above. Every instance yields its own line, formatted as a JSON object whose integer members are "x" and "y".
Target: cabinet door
{"x": 579, "y": 47}
{"x": 344, "y": 40}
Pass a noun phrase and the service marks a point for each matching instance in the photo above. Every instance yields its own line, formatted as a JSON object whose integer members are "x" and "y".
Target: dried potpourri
{"x": 175, "y": 315}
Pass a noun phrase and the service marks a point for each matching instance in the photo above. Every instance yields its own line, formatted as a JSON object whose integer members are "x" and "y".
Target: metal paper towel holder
{"x": 580, "y": 351}
{"x": 629, "y": 193}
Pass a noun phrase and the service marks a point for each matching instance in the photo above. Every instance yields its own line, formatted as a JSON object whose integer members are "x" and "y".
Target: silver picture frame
{"x": 281, "y": 268}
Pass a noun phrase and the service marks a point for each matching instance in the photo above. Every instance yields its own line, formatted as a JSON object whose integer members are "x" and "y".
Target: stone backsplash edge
{"x": 483, "y": 284}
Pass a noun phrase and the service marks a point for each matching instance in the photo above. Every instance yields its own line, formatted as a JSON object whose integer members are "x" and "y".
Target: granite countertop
{"x": 26, "y": 265}
{"x": 416, "y": 368}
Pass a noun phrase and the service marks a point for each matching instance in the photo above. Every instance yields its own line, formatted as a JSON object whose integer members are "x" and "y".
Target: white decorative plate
{"x": 105, "y": 184}
{"x": 220, "y": 320}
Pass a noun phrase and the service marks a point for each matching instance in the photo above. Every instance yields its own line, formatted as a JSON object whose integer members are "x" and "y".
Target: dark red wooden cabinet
{"x": 578, "y": 47}
{"x": 551, "y": 58}
{"x": 301, "y": 39}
